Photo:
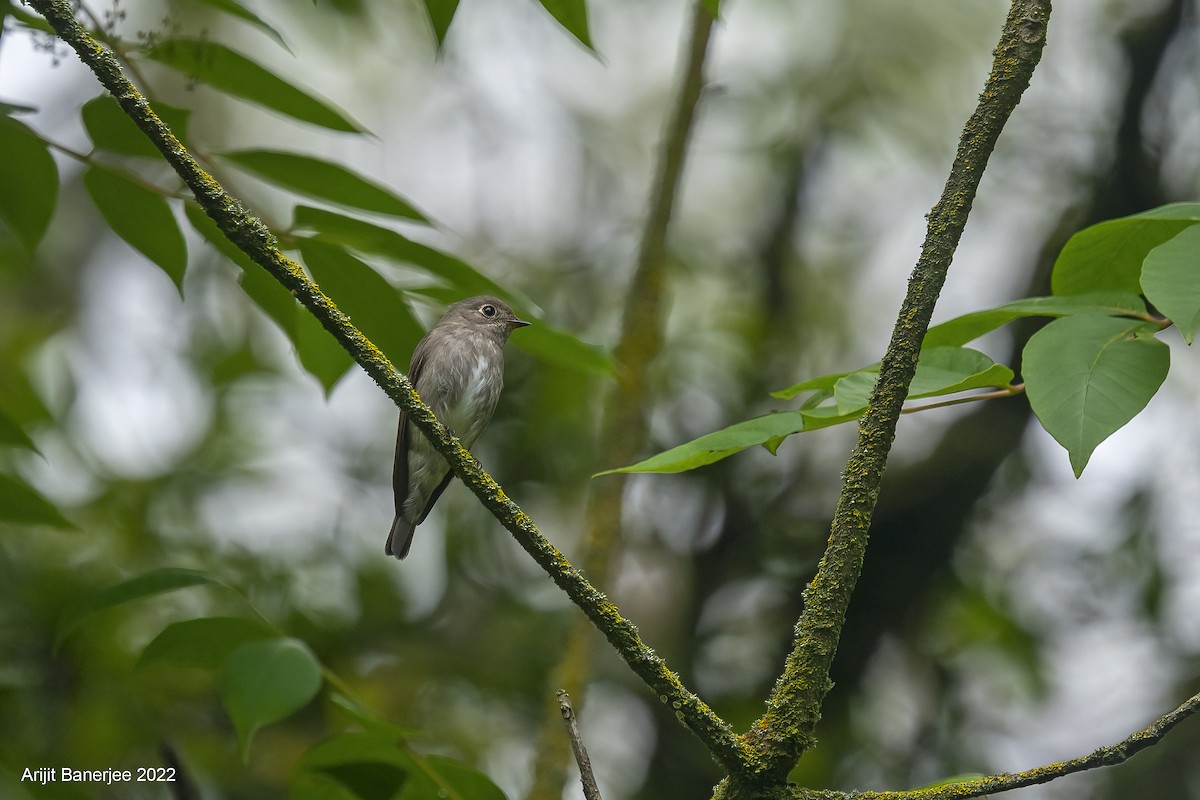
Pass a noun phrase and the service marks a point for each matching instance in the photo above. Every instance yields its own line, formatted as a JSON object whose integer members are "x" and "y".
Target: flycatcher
{"x": 458, "y": 369}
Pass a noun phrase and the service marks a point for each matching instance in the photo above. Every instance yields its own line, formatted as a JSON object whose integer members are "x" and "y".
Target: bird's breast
{"x": 472, "y": 404}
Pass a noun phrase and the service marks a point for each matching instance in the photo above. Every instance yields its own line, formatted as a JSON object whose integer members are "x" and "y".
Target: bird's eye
{"x": 488, "y": 311}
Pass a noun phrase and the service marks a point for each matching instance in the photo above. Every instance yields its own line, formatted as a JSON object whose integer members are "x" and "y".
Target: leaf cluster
{"x": 1087, "y": 373}
{"x": 264, "y": 676}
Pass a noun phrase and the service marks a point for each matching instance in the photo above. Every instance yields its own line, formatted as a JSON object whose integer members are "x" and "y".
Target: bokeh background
{"x": 1008, "y": 614}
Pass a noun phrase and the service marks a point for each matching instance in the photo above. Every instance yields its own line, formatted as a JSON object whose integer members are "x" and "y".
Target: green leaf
{"x": 13, "y": 434}
{"x": 823, "y": 416}
{"x": 441, "y": 14}
{"x": 376, "y": 240}
{"x": 361, "y": 765}
{"x": 236, "y": 9}
{"x": 958, "y": 331}
{"x": 1086, "y": 376}
{"x": 374, "y": 305}
{"x": 452, "y": 778}
{"x": 713, "y": 447}
{"x": 950, "y": 370}
{"x": 323, "y": 180}
{"x": 823, "y": 384}
{"x": 22, "y": 505}
{"x": 205, "y": 642}
{"x": 714, "y": 7}
{"x": 140, "y": 216}
{"x": 1109, "y": 256}
{"x": 940, "y": 371}
{"x": 28, "y": 20}
{"x": 968, "y": 327}
{"x": 271, "y": 296}
{"x": 572, "y": 15}
{"x": 852, "y": 391}
{"x": 373, "y": 767}
{"x": 225, "y": 365}
{"x": 147, "y": 584}
{"x": 320, "y": 354}
{"x": 28, "y": 182}
{"x": 1171, "y": 280}
{"x": 264, "y": 290}
{"x": 369, "y": 780}
{"x": 235, "y": 74}
{"x": 112, "y": 130}
{"x": 560, "y": 349}
{"x": 263, "y": 682}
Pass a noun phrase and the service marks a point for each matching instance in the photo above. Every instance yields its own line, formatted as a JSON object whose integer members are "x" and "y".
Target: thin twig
{"x": 1007, "y": 391}
{"x": 590, "y": 790}
{"x": 90, "y": 160}
{"x": 115, "y": 44}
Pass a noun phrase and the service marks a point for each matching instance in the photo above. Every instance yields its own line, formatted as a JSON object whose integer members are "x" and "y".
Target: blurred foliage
{"x": 193, "y": 479}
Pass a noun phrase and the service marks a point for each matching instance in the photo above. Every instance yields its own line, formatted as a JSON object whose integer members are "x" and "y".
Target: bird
{"x": 458, "y": 370}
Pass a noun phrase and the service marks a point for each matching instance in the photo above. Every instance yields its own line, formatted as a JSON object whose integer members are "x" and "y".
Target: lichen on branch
{"x": 787, "y": 729}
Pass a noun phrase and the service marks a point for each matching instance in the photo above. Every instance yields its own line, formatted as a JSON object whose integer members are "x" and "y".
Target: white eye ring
{"x": 488, "y": 311}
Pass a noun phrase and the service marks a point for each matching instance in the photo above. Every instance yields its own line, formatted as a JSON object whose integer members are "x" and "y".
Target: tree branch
{"x": 623, "y": 430}
{"x": 259, "y": 244}
{"x": 794, "y": 707}
{"x": 1107, "y": 756}
{"x": 590, "y": 790}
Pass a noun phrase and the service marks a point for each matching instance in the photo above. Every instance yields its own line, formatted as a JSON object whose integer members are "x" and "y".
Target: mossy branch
{"x": 786, "y": 730}
{"x": 259, "y": 244}
{"x": 1107, "y": 756}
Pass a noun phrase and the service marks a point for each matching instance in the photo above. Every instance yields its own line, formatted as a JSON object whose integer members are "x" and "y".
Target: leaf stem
{"x": 1008, "y": 391}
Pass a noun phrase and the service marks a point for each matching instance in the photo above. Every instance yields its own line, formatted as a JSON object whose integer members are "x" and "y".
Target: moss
{"x": 794, "y": 707}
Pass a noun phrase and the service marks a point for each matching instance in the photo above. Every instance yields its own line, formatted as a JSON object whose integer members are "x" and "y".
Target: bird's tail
{"x": 400, "y": 538}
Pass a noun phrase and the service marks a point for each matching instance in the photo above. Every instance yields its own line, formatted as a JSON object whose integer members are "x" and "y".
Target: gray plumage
{"x": 458, "y": 369}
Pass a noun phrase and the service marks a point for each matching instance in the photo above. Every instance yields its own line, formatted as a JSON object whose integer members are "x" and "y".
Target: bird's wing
{"x": 404, "y": 433}
{"x": 400, "y": 466}
{"x": 433, "y": 497}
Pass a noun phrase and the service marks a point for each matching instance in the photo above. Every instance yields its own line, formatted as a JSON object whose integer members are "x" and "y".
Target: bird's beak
{"x": 518, "y": 323}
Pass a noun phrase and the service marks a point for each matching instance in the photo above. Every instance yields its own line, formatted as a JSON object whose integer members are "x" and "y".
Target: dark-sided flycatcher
{"x": 458, "y": 369}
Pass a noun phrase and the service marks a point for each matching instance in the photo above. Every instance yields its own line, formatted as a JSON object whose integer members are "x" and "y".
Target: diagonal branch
{"x": 794, "y": 707}
{"x": 259, "y": 244}
{"x": 1107, "y": 756}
